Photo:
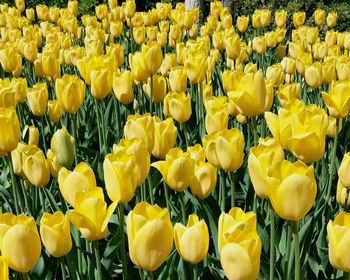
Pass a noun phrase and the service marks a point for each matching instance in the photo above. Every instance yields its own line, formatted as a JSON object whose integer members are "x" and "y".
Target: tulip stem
{"x": 117, "y": 110}
{"x": 150, "y": 189}
{"x": 25, "y": 276}
{"x": 151, "y": 96}
{"x": 99, "y": 124}
{"x": 122, "y": 240}
{"x": 74, "y": 130}
{"x": 63, "y": 269}
{"x": 150, "y": 274}
{"x": 331, "y": 168}
{"x": 295, "y": 229}
{"x": 13, "y": 183}
{"x": 185, "y": 134}
{"x": 183, "y": 209}
{"x": 222, "y": 190}
{"x": 233, "y": 189}
{"x": 166, "y": 191}
{"x": 286, "y": 260}
{"x": 98, "y": 260}
{"x": 42, "y": 132}
{"x": 195, "y": 272}
{"x": 272, "y": 242}
{"x": 255, "y": 132}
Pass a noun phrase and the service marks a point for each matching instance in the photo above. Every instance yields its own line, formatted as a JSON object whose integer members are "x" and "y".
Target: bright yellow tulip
{"x": 196, "y": 65}
{"x": 122, "y": 87}
{"x": 337, "y": 99}
{"x": 62, "y": 145}
{"x": 343, "y": 171}
{"x": 9, "y": 130}
{"x": 165, "y": 134}
{"x": 37, "y": 98}
{"x": 178, "y": 79}
{"x": 204, "y": 179}
{"x": 178, "y": 106}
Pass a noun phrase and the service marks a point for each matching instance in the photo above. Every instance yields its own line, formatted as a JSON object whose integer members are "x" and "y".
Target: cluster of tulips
{"x": 123, "y": 133}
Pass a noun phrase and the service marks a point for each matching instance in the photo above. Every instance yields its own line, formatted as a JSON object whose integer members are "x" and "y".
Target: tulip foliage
{"x": 157, "y": 145}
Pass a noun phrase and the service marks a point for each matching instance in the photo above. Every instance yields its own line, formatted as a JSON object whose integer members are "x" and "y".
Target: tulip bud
{"x": 343, "y": 172}
{"x": 204, "y": 179}
{"x": 313, "y": 75}
{"x": 280, "y": 18}
{"x": 337, "y": 99}
{"x": 178, "y": 106}
{"x": 342, "y": 195}
{"x": 196, "y": 65}
{"x": 178, "y": 79}
{"x": 62, "y": 145}
{"x": 31, "y": 133}
{"x": 320, "y": 16}
{"x": 54, "y": 110}
{"x": 332, "y": 19}
{"x": 19, "y": 86}
{"x": 299, "y": 19}
{"x": 232, "y": 46}
{"x": 158, "y": 88}
{"x": 101, "y": 83}
{"x": 242, "y": 23}
{"x": 37, "y": 98}
{"x": 259, "y": 44}
{"x": 55, "y": 233}
{"x": 165, "y": 133}
{"x": 152, "y": 55}
{"x": 9, "y": 130}
{"x": 122, "y": 87}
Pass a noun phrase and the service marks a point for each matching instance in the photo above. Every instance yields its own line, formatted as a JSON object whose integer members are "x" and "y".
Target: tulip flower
{"x": 251, "y": 94}
{"x": 338, "y": 235}
{"x": 54, "y": 110}
{"x": 178, "y": 79}
{"x": 55, "y": 233}
{"x": 140, "y": 126}
{"x": 224, "y": 149}
{"x": 176, "y": 169}
{"x": 152, "y": 55}
{"x": 313, "y": 75}
{"x": 129, "y": 8}
{"x": 320, "y": 16}
{"x": 9, "y": 130}
{"x": 242, "y": 23}
{"x": 343, "y": 171}
{"x": 70, "y": 92}
{"x": 122, "y": 87}
{"x": 233, "y": 46}
{"x": 151, "y": 240}
{"x": 275, "y": 74}
{"x": 280, "y": 18}
{"x": 37, "y": 98}
{"x": 342, "y": 195}
{"x": 54, "y": 165}
{"x": 332, "y": 19}
{"x": 138, "y": 67}
{"x": 91, "y": 215}
{"x": 217, "y": 115}
{"x": 292, "y": 189}
{"x": 19, "y": 237}
{"x": 197, "y": 153}
{"x": 192, "y": 241}
{"x": 165, "y": 134}
{"x": 289, "y": 92}
{"x": 82, "y": 178}
{"x": 101, "y": 83}
{"x": 31, "y": 133}
{"x": 10, "y": 60}
{"x": 299, "y": 19}
{"x": 62, "y": 145}
{"x": 337, "y": 99}
{"x": 259, "y": 44}
{"x": 51, "y": 65}
{"x": 19, "y": 86}
{"x": 4, "y": 268}
{"x": 262, "y": 157}
{"x": 204, "y": 179}
{"x": 196, "y": 65}
{"x": 178, "y": 106}
{"x": 159, "y": 88}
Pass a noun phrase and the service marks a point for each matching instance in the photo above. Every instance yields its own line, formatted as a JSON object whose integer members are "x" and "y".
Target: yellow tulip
{"x": 192, "y": 241}
{"x": 51, "y": 65}
{"x": 54, "y": 165}
{"x": 4, "y": 268}
{"x": 178, "y": 79}
{"x": 292, "y": 189}
{"x": 54, "y": 110}
{"x": 251, "y": 94}
{"x": 31, "y": 133}
{"x": 312, "y": 35}
{"x": 242, "y": 23}
{"x": 20, "y": 5}
{"x": 343, "y": 171}
{"x": 158, "y": 88}
{"x": 16, "y": 157}
{"x": 122, "y": 87}
{"x": 151, "y": 240}
{"x": 54, "y": 14}
{"x": 342, "y": 195}
{"x": 177, "y": 169}
{"x": 197, "y": 153}
{"x": 217, "y": 115}
{"x": 271, "y": 39}
{"x": 62, "y": 145}
{"x": 288, "y": 92}
{"x": 256, "y": 22}
{"x": 332, "y": 19}
{"x": 299, "y": 19}
{"x": 261, "y": 157}
{"x": 101, "y": 83}
{"x": 320, "y": 17}
{"x": 9, "y": 59}
{"x": 19, "y": 86}
{"x": 275, "y": 74}
{"x": 30, "y": 14}
{"x": 331, "y": 129}
{"x": 218, "y": 40}
{"x": 7, "y": 97}
{"x": 233, "y": 46}
{"x": 9, "y": 130}
{"x": 55, "y": 233}
{"x": 265, "y": 17}
{"x": 70, "y": 92}
{"x": 328, "y": 71}
{"x": 19, "y": 237}
{"x": 140, "y": 126}
{"x": 331, "y": 38}
{"x": 153, "y": 58}
{"x": 196, "y": 65}
{"x": 204, "y": 179}
{"x": 37, "y": 98}
{"x": 168, "y": 63}
{"x": 82, "y": 178}
{"x": 178, "y": 106}
{"x": 224, "y": 149}
{"x": 259, "y": 44}
{"x": 343, "y": 68}
{"x": 280, "y": 18}
{"x": 138, "y": 67}
{"x": 129, "y": 7}
{"x": 337, "y": 99}
{"x": 338, "y": 239}
{"x": 91, "y": 215}
{"x": 165, "y": 134}
{"x": 139, "y": 35}
{"x": 320, "y": 50}
{"x": 313, "y": 75}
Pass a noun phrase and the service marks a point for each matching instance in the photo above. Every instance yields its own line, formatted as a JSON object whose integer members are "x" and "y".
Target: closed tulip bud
{"x": 197, "y": 153}
{"x": 332, "y": 19}
{"x": 4, "y": 268}
{"x": 343, "y": 68}
{"x": 320, "y": 16}
{"x": 91, "y": 215}
{"x": 162, "y": 38}
{"x": 299, "y": 19}
{"x": 232, "y": 46}
{"x": 51, "y": 65}
{"x": 331, "y": 38}
{"x": 30, "y": 14}
{"x": 288, "y": 65}
{"x": 129, "y": 7}
{"x": 256, "y": 22}
{"x": 265, "y": 17}
{"x": 292, "y": 189}
{"x": 280, "y": 18}
{"x": 30, "y": 51}
{"x": 70, "y": 92}
{"x": 54, "y": 110}
{"x": 165, "y": 133}
{"x": 140, "y": 126}
{"x": 338, "y": 232}
{"x": 177, "y": 169}
{"x": 313, "y": 75}
{"x": 54, "y": 165}
{"x": 168, "y": 63}
{"x": 271, "y": 39}
{"x": 55, "y": 233}
{"x": 31, "y": 133}
{"x": 20, "y": 5}
{"x": 152, "y": 32}
{"x": 9, "y": 59}
{"x": 138, "y": 67}
{"x": 9, "y": 130}
{"x": 19, "y": 237}
{"x": 251, "y": 94}
{"x": 343, "y": 171}
{"x": 156, "y": 231}
{"x": 328, "y": 71}
{"x": 153, "y": 58}
{"x": 7, "y": 97}
{"x": 204, "y": 179}
{"x": 337, "y": 99}
{"x": 289, "y": 92}
{"x": 261, "y": 157}
{"x": 73, "y": 7}
{"x": 62, "y": 145}
{"x": 242, "y": 23}
{"x": 275, "y": 74}
{"x": 312, "y": 35}
{"x": 218, "y": 40}
{"x": 82, "y": 178}
{"x": 259, "y": 44}
{"x": 37, "y": 98}
{"x": 158, "y": 88}
{"x": 196, "y": 65}
{"x": 224, "y": 149}
{"x": 342, "y": 195}
{"x": 19, "y": 87}
{"x": 123, "y": 87}
{"x": 178, "y": 79}
{"x": 216, "y": 118}
{"x": 192, "y": 241}
{"x": 101, "y": 83}
{"x": 333, "y": 126}
{"x": 178, "y": 106}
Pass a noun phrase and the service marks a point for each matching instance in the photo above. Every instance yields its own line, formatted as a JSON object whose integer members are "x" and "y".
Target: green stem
{"x": 195, "y": 272}
{"x": 166, "y": 191}
{"x": 150, "y": 189}
{"x": 222, "y": 190}
{"x": 99, "y": 123}
{"x": 63, "y": 269}
{"x": 233, "y": 189}
{"x": 74, "y": 130}
{"x": 272, "y": 242}
{"x": 331, "y": 169}
{"x": 255, "y": 132}
{"x": 98, "y": 260}
{"x": 25, "y": 195}
{"x": 286, "y": 257}
{"x": 183, "y": 209}
{"x": 150, "y": 275}
{"x": 13, "y": 183}
{"x": 122, "y": 240}
{"x": 117, "y": 110}
{"x": 151, "y": 96}
{"x": 25, "y": 276}
{"x": 42, "y": 132}
{"x": 295, "y": 229}
{"x": 346, "y": 275}
{"x": 185, "y": 134}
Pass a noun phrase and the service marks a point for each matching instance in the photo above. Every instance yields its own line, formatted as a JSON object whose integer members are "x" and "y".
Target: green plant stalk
{"x": 42, "y": 132}
{"x": 117, "y": 111}
{"x": 222, "y": 190}
{"x": 151, "y": 96}
{"x": 166, "y": 191}
{"x": 99, "y": 124}
{"x": 98, "y": 260}
{"x": 331, "y": 169}
{"x": 25, "y": 276}
{"x": 25, "y": 195}
{"x": 63, "y": 269}
{"x": 233, "y": 189}
{"x": 286, "y": 257}
{"x": 150, "y": 189}
{"x": 195, "y": 272}
{"x": 183, "y": 209}
{"x": 122, "y": 240}
{"x": 185, "y": 134}
{"x": 272, "y": 242}
{"x": 74, "y": 132}
{"x": 150, "y": 275}
{"x": 255, "y": 132}
{"x": 295, "y": 229}
{"x": 14, "y": 183}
